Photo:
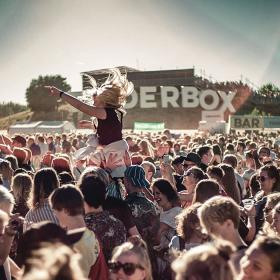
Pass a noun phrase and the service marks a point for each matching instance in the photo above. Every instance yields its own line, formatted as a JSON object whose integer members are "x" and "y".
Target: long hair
{"x": 115, "y": 90}
{"x": 45, "y": 181}
{"x": 166, "y": 188}
{"x": 230, "y": 183}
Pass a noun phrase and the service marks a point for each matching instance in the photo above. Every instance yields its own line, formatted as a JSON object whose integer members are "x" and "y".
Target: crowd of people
{"x": 187, "y": 207}
{"x": 120, "y": 205}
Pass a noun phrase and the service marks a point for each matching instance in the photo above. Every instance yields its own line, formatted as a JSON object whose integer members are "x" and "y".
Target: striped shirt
{"x": 40, "y": 214}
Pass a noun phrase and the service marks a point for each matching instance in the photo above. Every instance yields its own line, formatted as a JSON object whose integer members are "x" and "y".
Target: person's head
{"x": 96, "y": 172}
{"x": 216, "y": 173}
{"x": 44, "y": 182}
{"x": 67, "y": 201}
{"x": 19, "y": 141}
{"x": 60, "y": 164}
{"x": 208, "y": 261}
{"x": 192, "y": 176}
{"x": 188, "y": 224}
{"x": 230, "y": 148}
{"x": 130, "y": 261}
{"x": 165, "y": 195}
{"x": 271, "y": 201}
{"x": 94, "y": 192}
{"x": 191, "y": 160}
{"x": 150, "y": 170}
{"x": 231, "y": 160}
{"x": 146, "y": 148}
{"x": 261, "y": 260}
{"x": 66, "y": 178}
{"x": 229, "y": 182}
{"x": 21, "y": 186}
{"x": 13, "y": 160}
{"x": 53, "y": 261}
{"x": 6, "y": 200}
{"x": 206, "y": 154}
{"x": 177, "y": 164}
{"x": 114, "y": 91}
{"x": 5, "y": 169}
{"x": 219, "y": 215}
{"x": 134, "y": 178}
{"x": 263, "y": 152}
{"x": 269, "y": 179}
{"x": 254, "y": 185}
{"x": 206, "y": 189}
{"x": 240, "y": 147}
{"x": 276, "y": 219}
{"x": 4, "y": 219}
{"x": 217, "y": 150}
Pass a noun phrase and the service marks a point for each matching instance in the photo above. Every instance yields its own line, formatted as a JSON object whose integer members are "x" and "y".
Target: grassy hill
{"x": 12, "y": 119}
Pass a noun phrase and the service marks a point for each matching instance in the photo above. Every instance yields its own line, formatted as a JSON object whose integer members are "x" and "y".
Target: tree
{"x": 269, "y": 90}
{"x": 38, "y": 98}
{"x": 10, "y": 108}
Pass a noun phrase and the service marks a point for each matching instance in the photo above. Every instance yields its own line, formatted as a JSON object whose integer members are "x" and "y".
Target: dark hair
{"x": 230, "y": 183}
{"x": 197, "y": 173}
{"x": 242, "y": 144}
{"x": 254, "y": 185}
{"x": 93, "y": 190}
{"x": 216, "y": 170}
{"x": 230, "y": 147}
{"x": 166, "y": 188}
{"x": 13, "y": 160}
{"x": 205, "y": 189}
{"x": 45, "y": 181}
{"x": 201, "y": 151}
{"x": 231, "y": 160}
{"x": 272, "y": 173}
{"x": 270, "y": 246}
{"x": 69, "y": 198}
{"x": 217, "y": 149}
{"x": 66, "y": 178}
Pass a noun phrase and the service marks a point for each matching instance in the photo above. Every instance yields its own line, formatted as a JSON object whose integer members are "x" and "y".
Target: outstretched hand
{"x": 53, "y": 90}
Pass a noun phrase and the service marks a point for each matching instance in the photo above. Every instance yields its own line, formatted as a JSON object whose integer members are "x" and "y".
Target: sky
{"x": 222, "y": 38}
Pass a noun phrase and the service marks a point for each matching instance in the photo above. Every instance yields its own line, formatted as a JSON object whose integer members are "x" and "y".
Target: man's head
{"x": 240, "y": 147}
{"x": 67, "y": 201}
{"x": 150, "y": 170}
{"x": 134, "y": 178}
{"x": 206, "y": 154}
{"x": 94, "y": 192}
{"x": 192, "y": 159}
{"x": 219, "y": 215}
{"x": 231, "y": 160}
{"x": 177, "y": 164}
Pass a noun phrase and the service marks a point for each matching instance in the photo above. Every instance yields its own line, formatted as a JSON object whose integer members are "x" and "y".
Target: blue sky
{"x": 224, "y": 38}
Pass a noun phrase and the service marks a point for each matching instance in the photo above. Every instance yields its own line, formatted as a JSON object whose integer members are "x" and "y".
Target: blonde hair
{"x": 218, "y": 209}
{"x": 114, "y": 91}
{"x": 206, "y": 261}
{"x": 21, "y": 186}
{"x": 138, "y": 247}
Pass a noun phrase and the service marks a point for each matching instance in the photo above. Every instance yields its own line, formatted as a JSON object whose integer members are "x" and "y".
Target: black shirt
{"x": 110, "y": 129}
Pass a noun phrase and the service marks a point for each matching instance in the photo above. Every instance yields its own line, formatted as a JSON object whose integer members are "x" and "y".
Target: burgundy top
{"x": 110, "y": 129}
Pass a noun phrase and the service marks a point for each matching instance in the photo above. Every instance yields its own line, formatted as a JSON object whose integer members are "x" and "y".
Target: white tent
{"x": 42, "y": 127}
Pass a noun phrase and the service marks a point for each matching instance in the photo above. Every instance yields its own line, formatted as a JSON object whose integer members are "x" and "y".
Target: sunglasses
{"x": 128, "y": 268}
{"x": 262, "y": 178}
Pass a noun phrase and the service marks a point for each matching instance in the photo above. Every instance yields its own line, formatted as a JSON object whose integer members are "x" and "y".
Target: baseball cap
{"x": 193, "y": 157}
{"x": 136, "y": 175}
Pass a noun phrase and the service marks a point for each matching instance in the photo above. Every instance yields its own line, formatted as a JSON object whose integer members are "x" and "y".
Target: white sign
{"x": 187, "y": 97}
